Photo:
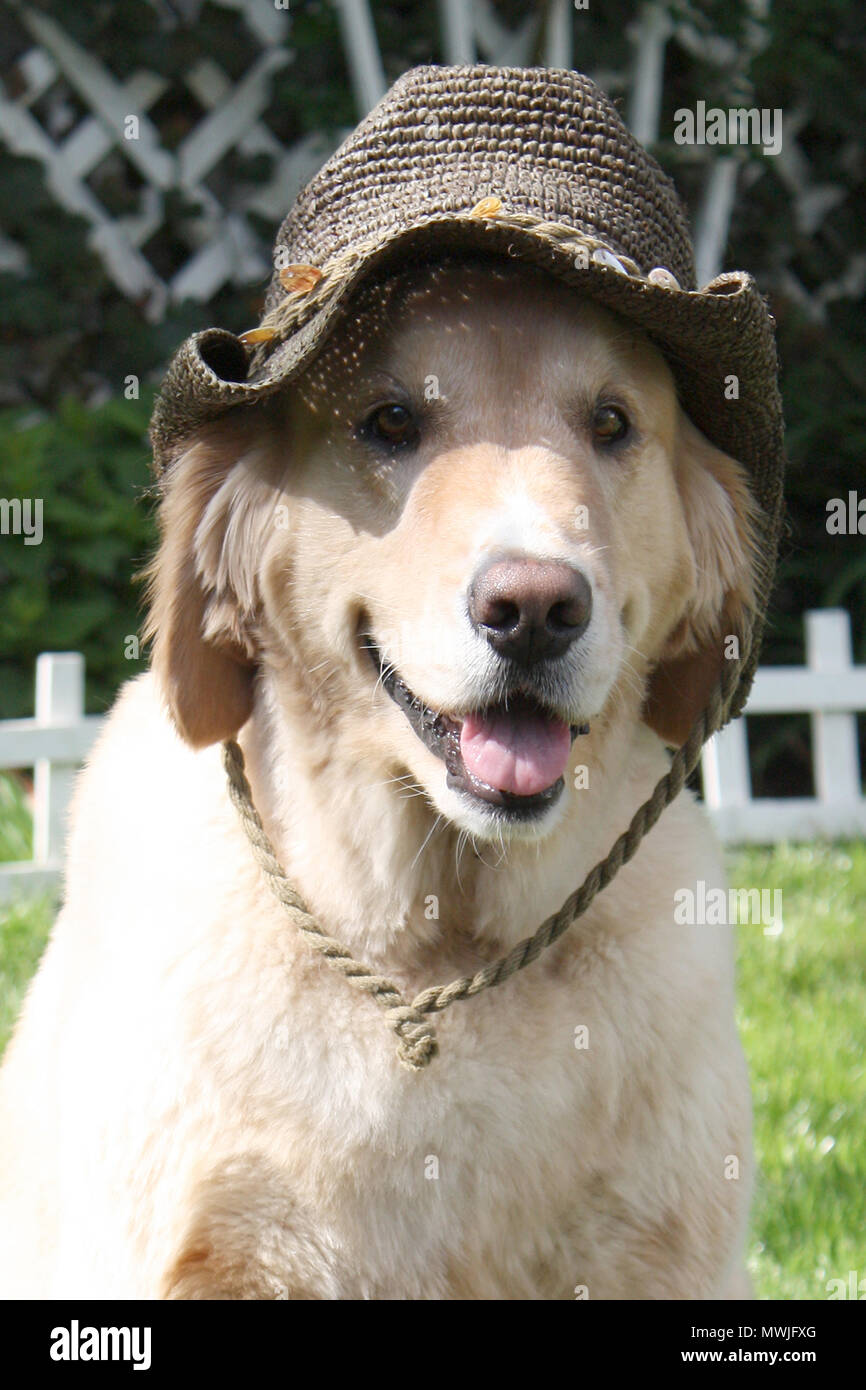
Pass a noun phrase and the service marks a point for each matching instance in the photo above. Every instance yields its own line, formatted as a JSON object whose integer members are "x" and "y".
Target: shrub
{"x": 74, "y": 591}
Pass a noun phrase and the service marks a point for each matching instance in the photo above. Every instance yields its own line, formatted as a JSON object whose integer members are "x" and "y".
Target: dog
{"x": 483, "y": 502}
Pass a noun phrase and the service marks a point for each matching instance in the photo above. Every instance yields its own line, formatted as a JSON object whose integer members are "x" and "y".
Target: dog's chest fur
{"x": 512, "y": 1167}
{"x": 263, "y": 1141}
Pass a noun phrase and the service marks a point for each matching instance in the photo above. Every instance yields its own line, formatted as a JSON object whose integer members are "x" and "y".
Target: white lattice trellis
{"x": 221, "y": 245}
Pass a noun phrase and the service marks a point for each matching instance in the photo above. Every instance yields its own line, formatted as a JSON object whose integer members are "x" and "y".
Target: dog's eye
{"x": 610, "y": 424}
{"x": 391, "y": 424}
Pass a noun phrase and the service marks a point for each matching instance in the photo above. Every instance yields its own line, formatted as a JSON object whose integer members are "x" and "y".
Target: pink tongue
{"x": 521, "y": 753}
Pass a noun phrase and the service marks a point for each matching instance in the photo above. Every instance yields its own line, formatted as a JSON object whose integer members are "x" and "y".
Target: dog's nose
{"x": 530, "y": 610}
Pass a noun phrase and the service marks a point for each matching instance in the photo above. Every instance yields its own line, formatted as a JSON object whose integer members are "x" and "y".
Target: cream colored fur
{"x": 193, "y": 1105}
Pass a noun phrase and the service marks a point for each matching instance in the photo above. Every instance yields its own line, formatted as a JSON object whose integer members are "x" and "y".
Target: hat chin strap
{"x": 417, "y": 1043}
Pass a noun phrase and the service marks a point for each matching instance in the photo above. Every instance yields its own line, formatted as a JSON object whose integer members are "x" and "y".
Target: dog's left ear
{"x": 720, "y": 512}
{"x": 202, "y": 588}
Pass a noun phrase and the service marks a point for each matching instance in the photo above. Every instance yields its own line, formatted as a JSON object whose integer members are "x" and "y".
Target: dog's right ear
{"x": 205, "y": 669}
{"x": 721, "y": 519}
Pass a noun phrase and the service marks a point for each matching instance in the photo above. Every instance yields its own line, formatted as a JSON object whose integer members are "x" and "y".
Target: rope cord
{"x": 310, "y": 287}
{"x": 417, "y": 1042}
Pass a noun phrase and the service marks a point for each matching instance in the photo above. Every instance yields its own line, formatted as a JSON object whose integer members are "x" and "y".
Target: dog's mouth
{"x": 511, "y": 755}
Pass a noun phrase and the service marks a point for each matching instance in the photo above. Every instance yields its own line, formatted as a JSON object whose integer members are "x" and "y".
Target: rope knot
{"x": 418, "y": 1044}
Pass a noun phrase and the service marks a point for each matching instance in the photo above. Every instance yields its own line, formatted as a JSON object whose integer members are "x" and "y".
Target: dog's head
{"x": 478, "y": 522}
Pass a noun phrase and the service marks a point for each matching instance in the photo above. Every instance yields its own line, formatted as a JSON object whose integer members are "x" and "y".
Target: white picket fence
{"x": 53, "y": 744}
{"x": 832, "y": 690}
{"x": 829, "y": 687}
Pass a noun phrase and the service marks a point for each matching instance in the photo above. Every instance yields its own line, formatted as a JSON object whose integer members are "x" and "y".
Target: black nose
{"x": 530, "y": 610}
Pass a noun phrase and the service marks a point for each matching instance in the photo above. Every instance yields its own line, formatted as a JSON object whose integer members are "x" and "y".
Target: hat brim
{"x": 718, "y": 341}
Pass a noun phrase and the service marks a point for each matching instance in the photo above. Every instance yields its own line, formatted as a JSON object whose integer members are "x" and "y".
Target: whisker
{"x": 433, "y": 827}
{"x": 629, "y": 648}
{"x": 462, "y": 840}
{"x": 401, "y": 777}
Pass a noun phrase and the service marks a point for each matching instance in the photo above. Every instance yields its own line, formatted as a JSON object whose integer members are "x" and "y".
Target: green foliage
{"x": 813, "y": 69}
{"x": 74, "y": 590}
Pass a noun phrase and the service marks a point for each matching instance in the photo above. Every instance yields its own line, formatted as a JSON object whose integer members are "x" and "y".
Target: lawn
{"x": 24, "y": 926}
{"x": 802, "y": 1017}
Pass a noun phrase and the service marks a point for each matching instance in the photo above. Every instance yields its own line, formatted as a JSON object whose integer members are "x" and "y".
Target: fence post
{"x": 361, "y": 47}
{"x": 727, "y": 781}
{"x": 558, "y": 44}
{"x": 458, "y": 31}
{"x": 650, "y": 36}
{"x": 59, "y": 700}
{"x": 835, "y": 755}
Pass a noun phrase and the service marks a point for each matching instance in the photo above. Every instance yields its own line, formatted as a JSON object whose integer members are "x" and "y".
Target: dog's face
{"x": 477, "y": 522}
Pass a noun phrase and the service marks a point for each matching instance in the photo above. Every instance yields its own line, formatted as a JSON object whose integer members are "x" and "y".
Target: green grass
{"x": 24, "y": 929}
{"x": 803, "y": 1022}
{"x": 16, "y": 823}
{"x": 802, "y": 1017}
{"x": 25, "y": 924}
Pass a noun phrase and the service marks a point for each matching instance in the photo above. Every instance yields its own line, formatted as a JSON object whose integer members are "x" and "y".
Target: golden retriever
{"x": 452, "y": 589}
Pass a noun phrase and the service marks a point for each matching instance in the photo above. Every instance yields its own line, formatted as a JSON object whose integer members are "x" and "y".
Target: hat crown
{"x": 545, "y": 141}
